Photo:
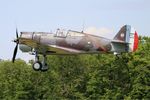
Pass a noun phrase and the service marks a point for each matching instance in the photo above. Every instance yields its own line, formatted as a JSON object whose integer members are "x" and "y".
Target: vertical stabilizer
{"x": 126, "y": 40}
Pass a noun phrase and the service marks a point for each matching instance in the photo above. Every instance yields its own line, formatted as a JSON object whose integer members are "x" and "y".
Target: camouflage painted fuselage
{"x": 70, "y": 42}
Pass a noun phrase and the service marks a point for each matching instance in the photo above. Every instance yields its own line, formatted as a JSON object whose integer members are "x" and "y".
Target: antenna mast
{"x": 83, "y": 26}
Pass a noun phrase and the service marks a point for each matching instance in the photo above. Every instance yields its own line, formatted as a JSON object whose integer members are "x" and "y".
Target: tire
{"x": 37, "y": 66}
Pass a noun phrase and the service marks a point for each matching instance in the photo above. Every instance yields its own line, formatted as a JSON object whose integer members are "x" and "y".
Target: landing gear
{"x": 38, "y": 66}
{"x": 44, "y": 64}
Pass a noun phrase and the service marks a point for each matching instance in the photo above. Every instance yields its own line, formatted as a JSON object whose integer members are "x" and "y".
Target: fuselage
{"x": 70, "y": 41}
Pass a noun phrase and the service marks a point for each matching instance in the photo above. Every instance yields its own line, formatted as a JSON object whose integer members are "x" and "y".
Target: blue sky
{"x": 104, "y": 16}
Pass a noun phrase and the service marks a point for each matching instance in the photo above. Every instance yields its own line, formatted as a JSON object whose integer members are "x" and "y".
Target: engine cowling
{"x": 25, "y": 48}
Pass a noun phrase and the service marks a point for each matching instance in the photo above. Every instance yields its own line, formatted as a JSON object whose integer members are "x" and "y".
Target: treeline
{"x": 82, "y": 77}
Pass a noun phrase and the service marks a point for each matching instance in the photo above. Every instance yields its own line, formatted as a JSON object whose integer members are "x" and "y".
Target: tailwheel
{"x": 37, "y": 66}
{"x": 118, "y": 56}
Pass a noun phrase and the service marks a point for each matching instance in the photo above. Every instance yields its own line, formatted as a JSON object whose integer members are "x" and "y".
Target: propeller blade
{"x": 15, "y": 53}
{"x": 16, "y": 48}
{"x": 17, "y": 33}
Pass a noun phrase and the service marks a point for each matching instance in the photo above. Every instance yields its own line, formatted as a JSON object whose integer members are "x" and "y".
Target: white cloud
{"x": 103, "y": 31}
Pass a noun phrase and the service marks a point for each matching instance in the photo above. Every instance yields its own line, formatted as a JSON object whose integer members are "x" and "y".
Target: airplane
{"x": 73, "y": 42}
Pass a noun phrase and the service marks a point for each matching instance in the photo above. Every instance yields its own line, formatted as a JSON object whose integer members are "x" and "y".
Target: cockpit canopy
{"x": 61, "y": 33}
{"x": 69, "y": 33}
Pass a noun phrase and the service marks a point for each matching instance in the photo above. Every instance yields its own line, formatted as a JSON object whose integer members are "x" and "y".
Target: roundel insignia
{"x": 89, "y": 42}
{"x": 122, "y": 35}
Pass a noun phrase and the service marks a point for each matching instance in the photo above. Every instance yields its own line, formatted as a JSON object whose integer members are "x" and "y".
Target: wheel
{"x": 37, "y": 66}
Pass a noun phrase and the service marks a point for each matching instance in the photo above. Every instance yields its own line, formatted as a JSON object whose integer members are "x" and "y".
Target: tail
{"x": 126, "y": 40}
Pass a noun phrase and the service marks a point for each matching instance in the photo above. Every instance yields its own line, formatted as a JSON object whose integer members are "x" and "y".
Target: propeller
{"x": 16, "y": 48}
